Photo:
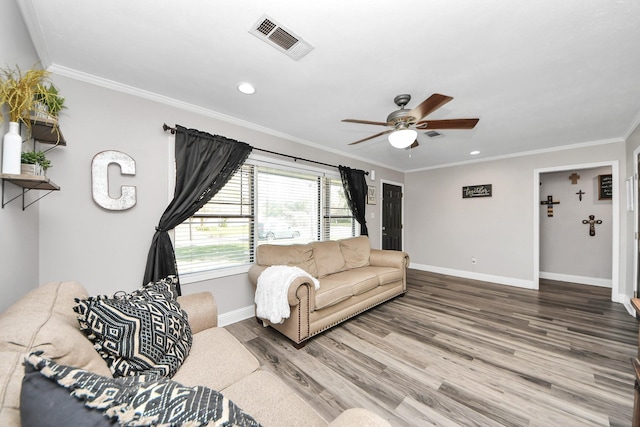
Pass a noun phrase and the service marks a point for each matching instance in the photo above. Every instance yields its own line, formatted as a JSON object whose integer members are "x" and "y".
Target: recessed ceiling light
{"x": 473, "y": 153}
{"x": 246, "y": 88}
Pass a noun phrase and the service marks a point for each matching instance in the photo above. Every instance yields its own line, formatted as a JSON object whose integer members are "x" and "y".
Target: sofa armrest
{"x": 359, "y": 417}
{"x": 389, "y": 258}
{"x": 292, "y": 294}
{"x": 202, "y": 310}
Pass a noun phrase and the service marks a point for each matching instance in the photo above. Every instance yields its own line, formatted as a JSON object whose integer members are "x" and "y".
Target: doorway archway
{"x": 615, "y": 223}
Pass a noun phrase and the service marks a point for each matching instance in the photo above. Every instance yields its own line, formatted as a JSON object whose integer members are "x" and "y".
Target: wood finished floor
{"x": 454, "y": 352}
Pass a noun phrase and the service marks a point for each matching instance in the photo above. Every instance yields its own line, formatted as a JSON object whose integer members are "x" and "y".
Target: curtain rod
{"x": 165, "y": 127}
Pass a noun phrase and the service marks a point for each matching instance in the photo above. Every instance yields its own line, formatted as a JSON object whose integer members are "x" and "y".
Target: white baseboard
{"x": 234, "y": 316}
{"x": 510, "y": 281}
{"x": 593, "y": 281}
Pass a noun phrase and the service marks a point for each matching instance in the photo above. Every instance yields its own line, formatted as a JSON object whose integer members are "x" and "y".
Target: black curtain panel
{"x": 355, "y": 188}
{"x": 204, "y": 164}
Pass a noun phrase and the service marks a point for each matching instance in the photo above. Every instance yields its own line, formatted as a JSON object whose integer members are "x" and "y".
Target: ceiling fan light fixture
{"x": 402, "y": 137}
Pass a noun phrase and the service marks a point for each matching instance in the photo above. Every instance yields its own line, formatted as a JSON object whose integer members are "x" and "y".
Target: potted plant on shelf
{"x": 49, "y": 103}
{"x": 34, "y": 163}
{"x": 18, "y": 91}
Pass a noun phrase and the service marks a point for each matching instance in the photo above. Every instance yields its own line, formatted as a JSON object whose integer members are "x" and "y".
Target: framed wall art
{"x": 371, "y": 195}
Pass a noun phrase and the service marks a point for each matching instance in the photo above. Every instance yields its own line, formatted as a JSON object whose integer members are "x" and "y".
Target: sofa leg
{"x": 300, "y": 345}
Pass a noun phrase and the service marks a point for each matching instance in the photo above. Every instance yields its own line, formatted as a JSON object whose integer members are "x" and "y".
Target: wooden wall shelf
{"x": 46, "y": 131}
{"x": 31, "y": 182}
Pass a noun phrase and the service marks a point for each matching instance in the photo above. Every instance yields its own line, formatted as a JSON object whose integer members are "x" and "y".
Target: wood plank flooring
{"x": 455, "y": 352}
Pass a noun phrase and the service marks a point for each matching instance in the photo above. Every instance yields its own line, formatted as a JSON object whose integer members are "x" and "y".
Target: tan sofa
{"x": 44, "y": 319}
{"x": 353, "y": 278}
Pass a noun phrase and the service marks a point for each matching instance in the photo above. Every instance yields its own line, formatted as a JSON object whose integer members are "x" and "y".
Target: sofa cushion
{"x": 139, "y": 400}
{"x": 385, "y": 274}
{"x": 217, "y": 359}
{"x": 355, "y": 251}
{"x": 44, "y": 320}
{"x": 143, "y": 331}
{"x": 361, "y": 280}
{"x": 272, "y": 402}
{"x": 292, "y": 255}
{"x": 333, "y": 289}
{"x": 328, "y": 257}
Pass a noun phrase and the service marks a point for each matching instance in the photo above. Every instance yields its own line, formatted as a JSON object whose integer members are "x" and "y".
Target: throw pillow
{"x": 143, "y": 400}
{"x": 43, "y": 403}
{"x": 144, "y": 331}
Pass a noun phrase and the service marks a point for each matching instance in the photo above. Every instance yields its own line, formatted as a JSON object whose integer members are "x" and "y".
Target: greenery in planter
{"x": 50, "y": 98}
{"x": 35, "y": 157}
{"x": 18, "y": 91}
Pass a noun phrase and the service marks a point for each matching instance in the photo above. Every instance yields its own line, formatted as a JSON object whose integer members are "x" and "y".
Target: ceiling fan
{"x": 404, "y": 121}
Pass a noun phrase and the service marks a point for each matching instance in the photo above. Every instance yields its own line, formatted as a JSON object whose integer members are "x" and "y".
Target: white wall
{"x": 447, "y": 231}
{"x": 106, "y": 250}
{"x": 18, "y": 230}
{"x": 567, "y": 251}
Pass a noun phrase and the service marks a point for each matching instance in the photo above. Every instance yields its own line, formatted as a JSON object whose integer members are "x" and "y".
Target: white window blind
{"x": 338, "y": 220}
{"x": 219, "y": 235}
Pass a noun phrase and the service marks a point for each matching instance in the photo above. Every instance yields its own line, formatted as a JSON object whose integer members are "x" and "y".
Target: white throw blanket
{"x": 271, "y": 293}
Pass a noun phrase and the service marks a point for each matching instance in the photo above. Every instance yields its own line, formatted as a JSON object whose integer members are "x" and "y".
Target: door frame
{"x": 636, "y": 223}
{"x": 379, "y": 209}
{"x": 615, "y": 222}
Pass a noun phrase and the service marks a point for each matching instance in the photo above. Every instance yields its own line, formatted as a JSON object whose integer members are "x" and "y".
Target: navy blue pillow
{"x": 43, "y": 403}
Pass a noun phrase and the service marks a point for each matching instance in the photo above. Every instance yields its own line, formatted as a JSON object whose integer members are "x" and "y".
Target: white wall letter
{"x": 100, "y": 180}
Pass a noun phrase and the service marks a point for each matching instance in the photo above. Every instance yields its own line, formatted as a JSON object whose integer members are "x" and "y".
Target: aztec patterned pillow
{"x": 143, "y": 400}
{"x": 144, "y": 331}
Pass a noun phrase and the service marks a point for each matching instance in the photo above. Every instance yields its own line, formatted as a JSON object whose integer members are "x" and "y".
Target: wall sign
{"x": 100, "y": 180}
{"x": 472, "y": 191}
{"x": 605, "y": 187}
{"x": 371, "y": 195}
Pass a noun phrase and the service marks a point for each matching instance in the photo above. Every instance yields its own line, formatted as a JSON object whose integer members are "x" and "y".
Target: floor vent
{"x": 286, "y": 41}
{"x": 433, "y": 134}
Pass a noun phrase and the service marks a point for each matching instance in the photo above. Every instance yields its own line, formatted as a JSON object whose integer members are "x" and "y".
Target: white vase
{"x": 11, "y": 149}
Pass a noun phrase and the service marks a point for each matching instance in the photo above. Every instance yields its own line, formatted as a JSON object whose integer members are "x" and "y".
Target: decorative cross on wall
{"x": 549, "y": 202}
{"x": 574, "y": 177}
{"x": 592, "y": 224}
{"x": 580, "y": 193}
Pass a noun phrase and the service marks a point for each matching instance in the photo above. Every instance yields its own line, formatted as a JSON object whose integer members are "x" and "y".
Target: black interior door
{"x": 391, "y": 217}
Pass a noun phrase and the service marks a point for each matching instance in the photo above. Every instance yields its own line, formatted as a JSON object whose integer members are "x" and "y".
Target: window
{"x": 262, "y": 203}
{"x": 338, "y": 220}
{"x": 219, "y": 234}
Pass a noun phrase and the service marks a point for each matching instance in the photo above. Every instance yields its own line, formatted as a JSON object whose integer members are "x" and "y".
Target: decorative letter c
{"x": 100, "y": 180}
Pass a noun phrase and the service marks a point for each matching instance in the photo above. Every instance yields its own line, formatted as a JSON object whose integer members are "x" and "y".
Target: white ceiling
{"x": 538, "y": 73}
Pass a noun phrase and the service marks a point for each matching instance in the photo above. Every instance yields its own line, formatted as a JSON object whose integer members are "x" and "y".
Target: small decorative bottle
{"x": 11, "y": 149}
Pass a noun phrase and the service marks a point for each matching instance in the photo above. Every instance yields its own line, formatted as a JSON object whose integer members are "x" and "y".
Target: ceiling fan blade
{"x": 414, "y": 145}
{"x": 371, "y": 137}
{"x": 429, "y": 105}
{"x": 367, "y": 122}
{"x": 447, "y": 124}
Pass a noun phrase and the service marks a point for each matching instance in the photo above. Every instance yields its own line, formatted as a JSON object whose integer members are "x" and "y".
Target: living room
{"x": 66, "y": 236}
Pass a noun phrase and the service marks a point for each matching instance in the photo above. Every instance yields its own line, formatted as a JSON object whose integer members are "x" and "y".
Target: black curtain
{"x": 355, "y": 188}
{"x": 204, "y": 164}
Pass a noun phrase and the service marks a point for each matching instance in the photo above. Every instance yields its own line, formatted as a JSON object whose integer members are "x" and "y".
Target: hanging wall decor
{"x": 574, "y": 177}
{"x": 549, "y": 202}
{"x": 100, "y": 180}
{"x": 605, "y": 187}
{"x": 371, "y": 195}
{"x": 580, "y": 193}
{"x": 592, "y": 224}
{"x": 472, "y": 191}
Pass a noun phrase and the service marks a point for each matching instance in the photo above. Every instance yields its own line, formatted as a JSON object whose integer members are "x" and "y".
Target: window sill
{"x": 212, "y": 274}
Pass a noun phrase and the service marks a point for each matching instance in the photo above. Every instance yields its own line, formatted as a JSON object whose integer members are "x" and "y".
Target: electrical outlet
{"x": 474, "y": 260}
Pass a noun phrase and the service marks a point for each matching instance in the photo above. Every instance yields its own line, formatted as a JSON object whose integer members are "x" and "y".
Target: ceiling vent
{"x": 433, "y": 134}
{"x": 269, "y": 31}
